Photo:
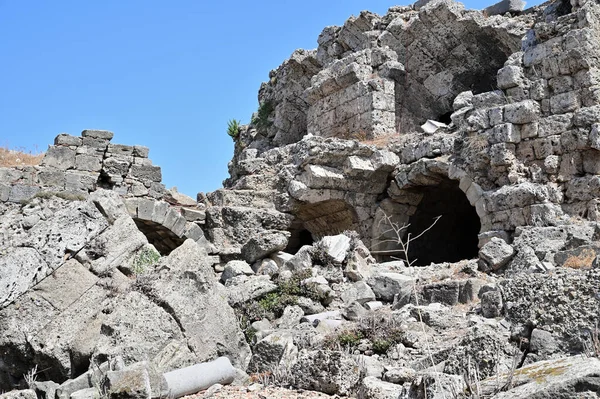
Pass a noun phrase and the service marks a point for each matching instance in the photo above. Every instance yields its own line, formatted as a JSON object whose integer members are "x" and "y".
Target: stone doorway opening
{"x": 320, "y": 219}
{"x": 454, "y": 236}
{"x": 163, "y": 239}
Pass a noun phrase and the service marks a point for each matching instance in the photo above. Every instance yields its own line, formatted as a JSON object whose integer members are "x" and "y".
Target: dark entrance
{"x": 454, "y": 236}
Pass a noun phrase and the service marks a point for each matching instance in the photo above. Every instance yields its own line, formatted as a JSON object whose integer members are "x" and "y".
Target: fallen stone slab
{"x": 505, "y": 6}
{"x": 198, "y": 377}
{"x": 571, "y": 377}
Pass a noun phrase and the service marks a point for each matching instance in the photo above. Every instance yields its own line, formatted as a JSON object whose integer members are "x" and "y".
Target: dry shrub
{"x": 19, "y": 157}
{"x": 584, "y": 260}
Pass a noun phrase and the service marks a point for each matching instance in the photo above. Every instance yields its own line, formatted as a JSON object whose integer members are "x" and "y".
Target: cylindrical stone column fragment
{"x": 198, "y": 377}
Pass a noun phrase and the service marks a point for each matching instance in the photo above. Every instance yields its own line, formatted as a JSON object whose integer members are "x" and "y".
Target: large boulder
{"x": 264, "y": 244}
{"x": 187, "y": 287}
{"x": 331, "y": 372}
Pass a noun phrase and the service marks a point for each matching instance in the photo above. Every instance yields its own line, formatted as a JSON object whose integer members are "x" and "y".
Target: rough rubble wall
{"x": 80, "y": 164}
{"x": 74, "y": 167}
{"x": 530, "y": 148}
{"x": 360, "y": 81}
{"x": 523, "y": 154}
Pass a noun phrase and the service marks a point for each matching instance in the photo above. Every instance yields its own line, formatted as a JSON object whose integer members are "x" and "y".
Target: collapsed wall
{"x": 520, "y": 142}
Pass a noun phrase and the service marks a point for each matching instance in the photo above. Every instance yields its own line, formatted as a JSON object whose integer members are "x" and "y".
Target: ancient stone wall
{"x": 81, "y": 164}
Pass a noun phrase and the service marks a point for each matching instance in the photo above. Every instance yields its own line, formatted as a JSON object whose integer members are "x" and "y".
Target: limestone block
{"x": 489, "y": 99}
{"x": 89, "y": 163}
{"x": 119, "y": 149}
{"x": 555, "y": 124}
{"x": 116, "y": 166}
{"x": 66, "y": 285}
{"x": 140, "y": 151}
{"x": 373, "y": 388}
{"x": 193, "y": 231}
{"x": 522, "y": 112}
{"x": 502, "y": 154}
{"x": 59, "y": 157}
{"x": 147, "y": 172}
{"x": 491, "y": 304}
{"x": 19, "y": 193}
{"x": 4, "y": 192}
{"x": 67, "y": 140}
{"x": 386, "y": 286}
{"x": 561, "y": 84}
{"x": 495, "y": 254}
{"x": 52, "y": 178}
{"x": 98, "y": 134}
{"x": 510, "y": 76}
{"x": 595, "y": 136}
{"x": 277, "y": 348}
{"x": 236, "y": 268}
{"x": 504, "y": 6}
{"x": 463, "y": 100}
{"x": 250, "y": 289}
{"x": 505, "y": 133}
{"x": 334, "y": 248}
{"x": 496, "y": 116}
{"x": 264, "y": 244}
{"x": 22, "y": 394}
{"x": 586, "y": 117}
{"x": 358, "y": 292}
{"x": 538, "y": 89}
{"x": 565, "y": 102}
{"x": 96, "y": 144}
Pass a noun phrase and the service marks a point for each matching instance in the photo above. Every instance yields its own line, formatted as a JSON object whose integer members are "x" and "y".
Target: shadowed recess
{"x": 454, "y": 236}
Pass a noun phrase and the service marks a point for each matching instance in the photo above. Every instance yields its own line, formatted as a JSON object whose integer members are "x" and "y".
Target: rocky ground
{"x": 456, "y": 261}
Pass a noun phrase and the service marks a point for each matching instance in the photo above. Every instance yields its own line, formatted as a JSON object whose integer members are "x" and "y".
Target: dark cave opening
{"x": 163, "y": 239}
{"x": 315, "y": 221}
{"x": 299, "y": 238}
{"x": 445, "y": 118}
{"x": 455, "y": 235}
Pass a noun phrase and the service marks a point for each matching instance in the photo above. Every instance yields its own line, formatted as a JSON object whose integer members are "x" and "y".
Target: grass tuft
{"x": 19, "y": 157}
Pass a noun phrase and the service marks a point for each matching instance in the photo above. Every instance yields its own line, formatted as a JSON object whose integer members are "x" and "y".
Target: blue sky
{"x": 165, "y": 74}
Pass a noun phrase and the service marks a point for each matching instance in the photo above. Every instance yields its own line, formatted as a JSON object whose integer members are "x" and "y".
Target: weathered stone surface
{"x": 359, "y": 292}
{"x": 190, "y": 276}
{"x": 495, "y": 254}
{"x": 374, "y": 388}
{"x": 334, "y": 248}
{"x": 505, "y": 6}
{"x": 236, "y": 268}
{"x": 326, "y": 371}
{"x": 386, "y": 286}
{"x": 491, "y": 304}
{"x": 22, "y": 394}
{"x": 264, "y": 245}
{"x": 98, "y": 134}
{"x": 273, "y": 350}
{"x": 568, "y": 377}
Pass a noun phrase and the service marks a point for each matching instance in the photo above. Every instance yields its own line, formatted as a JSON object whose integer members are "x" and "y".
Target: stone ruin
{"x": 486, "y": 123}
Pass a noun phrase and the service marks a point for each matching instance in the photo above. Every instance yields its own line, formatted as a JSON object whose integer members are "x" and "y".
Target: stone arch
{"x": 323, "y": 218}
{"x": 163, "y": 225}
{"x": 419, "y": 194}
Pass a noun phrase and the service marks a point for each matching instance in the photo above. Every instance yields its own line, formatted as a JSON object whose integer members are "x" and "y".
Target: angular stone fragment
{"x": 98, "y": 134}
{"x": 522, "y": 112}
{"x": 264, "y": 244}
{"x": 495, "y": 254}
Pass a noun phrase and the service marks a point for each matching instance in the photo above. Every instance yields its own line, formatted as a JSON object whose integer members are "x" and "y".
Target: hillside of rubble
{"x": 411, "y": 213}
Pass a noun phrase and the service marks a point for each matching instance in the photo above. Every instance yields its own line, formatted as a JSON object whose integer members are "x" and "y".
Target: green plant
{"x": 144, "y": 259}
{"x": 261, "y": 120}
{"x": 233, "y": 128}
{"x": 350, "y": 338}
